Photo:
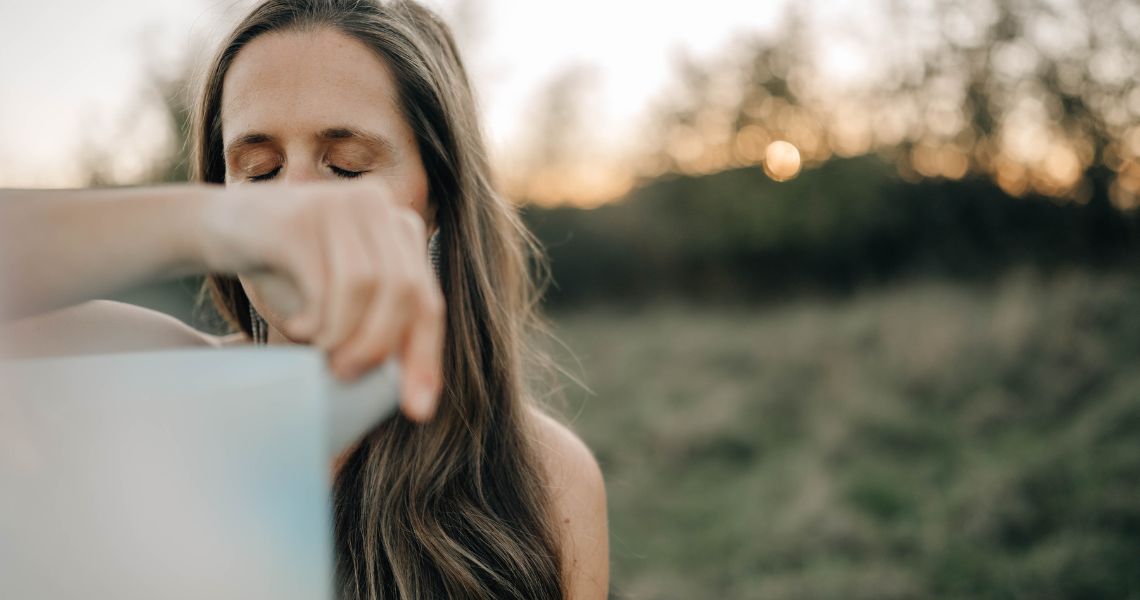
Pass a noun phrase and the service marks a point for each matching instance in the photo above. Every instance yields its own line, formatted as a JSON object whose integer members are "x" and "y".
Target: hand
{"x": 357, "y": 260}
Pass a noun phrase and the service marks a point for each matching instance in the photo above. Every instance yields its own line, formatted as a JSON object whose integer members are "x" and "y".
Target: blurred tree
{"x": 168, "y": 90}
{"x": 177, "y": 102}
{"x": 973, "y": 105}
{"x": 1040, "y": 96}
{"x": 554, "y": 145}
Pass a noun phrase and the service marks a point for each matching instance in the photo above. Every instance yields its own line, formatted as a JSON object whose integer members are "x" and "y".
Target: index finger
{"x": 422, "y": 358}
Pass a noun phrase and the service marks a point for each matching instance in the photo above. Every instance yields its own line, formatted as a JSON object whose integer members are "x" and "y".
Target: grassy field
{"x": 929, "y": 440}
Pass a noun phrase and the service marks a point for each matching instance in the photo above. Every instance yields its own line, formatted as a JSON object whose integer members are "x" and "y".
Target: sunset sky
{"x": 78, "y": 82}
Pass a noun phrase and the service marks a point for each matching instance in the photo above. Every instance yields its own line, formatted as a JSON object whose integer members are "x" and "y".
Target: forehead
{"x": 299, "y": 82}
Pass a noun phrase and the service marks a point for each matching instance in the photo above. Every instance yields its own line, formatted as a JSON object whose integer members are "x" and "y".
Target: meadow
{"x": 921, "y": 440}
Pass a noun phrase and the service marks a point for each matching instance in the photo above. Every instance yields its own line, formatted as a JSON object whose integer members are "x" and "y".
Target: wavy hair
{"x": 457, "y": 508}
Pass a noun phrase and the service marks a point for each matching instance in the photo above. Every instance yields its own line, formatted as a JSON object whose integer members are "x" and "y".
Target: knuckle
{"x": 403, "y": 284}
{"x": 412, "y": 222}
{"x": 363, "y": 358}
{"x": 353, "y": 357}
{"x": 298, "y": 229}
{"x": 296, "y": 264}
{"x": 298, "y": 211}
{"x": 373, "y": 353}
{"x": 360, "y": 282}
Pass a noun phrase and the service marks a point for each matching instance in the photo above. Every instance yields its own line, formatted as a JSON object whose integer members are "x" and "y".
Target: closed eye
{"x": 266, "y": 176}
{"x": 345, "y": 173}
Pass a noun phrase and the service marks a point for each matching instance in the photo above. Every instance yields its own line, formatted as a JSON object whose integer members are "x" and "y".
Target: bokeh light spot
{"x": 781, "y": 160}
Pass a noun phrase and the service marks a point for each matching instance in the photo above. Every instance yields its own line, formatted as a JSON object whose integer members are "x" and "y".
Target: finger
{"x": 376, "y": 337}
{"x": 352, "y": 279}
{"x": 422, "y": 358}
{"x": 304, "y": 261}
{"x": 375, "y": 340}
{"x": 422, "y": 338}
{"x": 406, "y": 318}
{"x": 305, "y": 268}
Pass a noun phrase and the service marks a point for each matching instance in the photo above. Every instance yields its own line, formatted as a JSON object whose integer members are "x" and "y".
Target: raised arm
{"x": 62, "y": 247}
{"x": 334, "y": 256}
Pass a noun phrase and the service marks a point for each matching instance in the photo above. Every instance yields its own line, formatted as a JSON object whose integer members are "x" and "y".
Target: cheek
{"x": 421, "y": 202}
{"x": 411, "y": 187}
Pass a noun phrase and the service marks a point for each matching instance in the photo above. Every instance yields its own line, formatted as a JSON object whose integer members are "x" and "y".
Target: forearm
{"x": 60, "y": 247}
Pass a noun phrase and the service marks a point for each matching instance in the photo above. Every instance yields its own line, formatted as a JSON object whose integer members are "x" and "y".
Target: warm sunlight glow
{"x": 781, "y": 161}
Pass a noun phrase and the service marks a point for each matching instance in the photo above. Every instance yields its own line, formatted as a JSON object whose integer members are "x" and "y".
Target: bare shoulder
{"x": 578, "y": 495}
{"x": 564, "y": 455}
{"x": 99, "y": 326}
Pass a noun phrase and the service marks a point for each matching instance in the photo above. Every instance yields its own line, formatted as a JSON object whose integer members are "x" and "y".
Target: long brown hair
{"x": 456, "y": 508}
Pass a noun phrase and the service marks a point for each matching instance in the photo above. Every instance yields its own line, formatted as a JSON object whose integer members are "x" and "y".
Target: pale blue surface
{"x": 174, "y": 474}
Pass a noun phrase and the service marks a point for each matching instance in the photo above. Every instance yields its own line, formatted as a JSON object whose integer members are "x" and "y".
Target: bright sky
{"x": 75, "y": 72}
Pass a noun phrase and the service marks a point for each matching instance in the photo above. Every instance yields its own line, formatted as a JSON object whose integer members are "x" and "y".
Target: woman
{"x": 488, "y": 498}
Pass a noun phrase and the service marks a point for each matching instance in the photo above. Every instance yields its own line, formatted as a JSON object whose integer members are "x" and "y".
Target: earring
{"x": 259, "y": 329}
{"x": 433, "y": 252}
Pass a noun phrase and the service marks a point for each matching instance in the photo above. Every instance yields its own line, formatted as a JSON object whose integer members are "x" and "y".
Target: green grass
{"x": 929, "y": 440}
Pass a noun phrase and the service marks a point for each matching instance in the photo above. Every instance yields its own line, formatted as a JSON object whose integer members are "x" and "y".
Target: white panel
{"x": 174, "y": 474}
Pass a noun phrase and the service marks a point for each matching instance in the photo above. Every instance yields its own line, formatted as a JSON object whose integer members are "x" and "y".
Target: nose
{"x": 300, "y": 171}
{"x": 303, "y": 163}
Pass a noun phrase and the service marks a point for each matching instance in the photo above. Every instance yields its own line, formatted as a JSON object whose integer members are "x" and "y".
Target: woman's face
{"x": 307, "y": 106}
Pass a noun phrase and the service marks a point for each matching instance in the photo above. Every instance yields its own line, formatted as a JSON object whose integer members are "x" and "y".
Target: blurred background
{"x": 849, "y": 291}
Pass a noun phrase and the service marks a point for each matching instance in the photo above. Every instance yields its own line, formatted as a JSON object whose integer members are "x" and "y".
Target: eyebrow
{"x": 348, "y": 133}
{"x": 331, "y": 134}
{"x": 246, "y": 139}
